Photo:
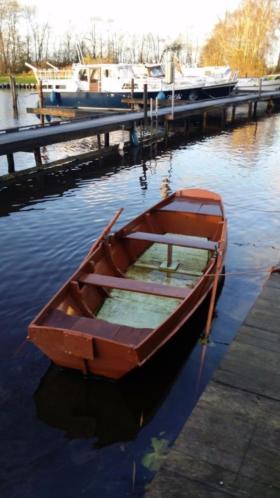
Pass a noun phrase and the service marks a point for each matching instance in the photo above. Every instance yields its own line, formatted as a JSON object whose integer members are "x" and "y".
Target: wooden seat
{"x": 175, "y": 240}
{"x": 96, "y": 327}
{"x": 127, "y": 284}
{"x": 194, "y": 206}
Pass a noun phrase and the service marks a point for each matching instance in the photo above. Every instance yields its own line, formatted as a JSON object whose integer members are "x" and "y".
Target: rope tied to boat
{"x": 249, "y": 272}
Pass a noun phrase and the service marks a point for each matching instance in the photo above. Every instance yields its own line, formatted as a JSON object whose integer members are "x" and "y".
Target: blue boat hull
{"x": 115, "y": 100}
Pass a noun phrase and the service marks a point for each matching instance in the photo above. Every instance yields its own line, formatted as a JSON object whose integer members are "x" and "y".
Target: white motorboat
{"x": 269, "y": 83}
{"x": 108, "y": 85}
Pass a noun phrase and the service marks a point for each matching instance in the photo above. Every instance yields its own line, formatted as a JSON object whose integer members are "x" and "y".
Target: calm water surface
{"x": 63, "y": 436}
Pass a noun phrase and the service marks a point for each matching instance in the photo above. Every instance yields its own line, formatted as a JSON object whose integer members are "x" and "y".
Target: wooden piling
{"x": 250, "y": 110}
{"x": 107, "y": 139}
{"x": 14, "y": 94}
{"x": 41, "y": 100}
{"x": 132, "y": 93}
{"x": 38, "y": 157}
{"x": 166, "y": 128}
{"x": 145, "y": 104}
{"x": 223, "y": 117}
{"x": 255, "y": 110}
{"x": 186, "y": 126}
{"x": 11, "y": 163}
{"x": 204, "y": 121}
{"x": 269, "y": 108}
{"x": 233, "y": 111}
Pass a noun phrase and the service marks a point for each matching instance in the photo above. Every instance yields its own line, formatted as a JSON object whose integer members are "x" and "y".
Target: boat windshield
{"x": 155, "y": 71}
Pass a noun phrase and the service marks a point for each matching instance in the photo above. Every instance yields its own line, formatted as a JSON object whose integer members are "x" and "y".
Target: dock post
{"x": 255, "y": 109}
{"x": 269, "y": 106}
{"x": 38, "y": 157}
{"x": 156, "y": 114}
{"x": 41, "y": 100}
{"x": 151, "y": 115}
{"x": 233, "y": 111}
{"x": 145, "y": 104}
{"x": 14, "y": 95}
{"x": 166, "y": 128}
{"x": 107, "y": 139}
{"x": 99, "y": 141}
{"x": 173, "y": 99}
{"x": 250, "y": 111}
{"x": 204, "y": 121}
{"x": 132, "y": 93}
{"x": 186, "y": 126}
{"x": 11, "y": 163}
{"x": 223, "y": 117}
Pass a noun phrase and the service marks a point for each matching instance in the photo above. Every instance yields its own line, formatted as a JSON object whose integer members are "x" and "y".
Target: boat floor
{"x": 139, "y": 310}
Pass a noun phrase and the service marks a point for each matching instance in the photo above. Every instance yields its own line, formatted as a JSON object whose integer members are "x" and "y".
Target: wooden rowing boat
{"x": 136, "y": 288}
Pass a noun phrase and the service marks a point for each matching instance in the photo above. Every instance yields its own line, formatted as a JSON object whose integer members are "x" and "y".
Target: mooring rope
{"x": 261, "y": 269}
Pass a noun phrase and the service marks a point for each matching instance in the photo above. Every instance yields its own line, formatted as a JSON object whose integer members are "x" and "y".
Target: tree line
{"x": 243, "y": 39}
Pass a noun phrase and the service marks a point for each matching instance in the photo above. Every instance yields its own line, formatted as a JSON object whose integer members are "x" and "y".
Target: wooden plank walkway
{"x": 26, "y": 140}
{"x": 230, "y": 446}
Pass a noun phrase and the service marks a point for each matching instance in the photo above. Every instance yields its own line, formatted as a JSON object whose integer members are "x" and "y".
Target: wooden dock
{"x": 32, "y": 138}
{"x": 229, "y": 447}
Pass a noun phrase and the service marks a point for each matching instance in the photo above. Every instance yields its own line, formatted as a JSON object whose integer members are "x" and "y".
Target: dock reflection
{"x": 111, "y": 412}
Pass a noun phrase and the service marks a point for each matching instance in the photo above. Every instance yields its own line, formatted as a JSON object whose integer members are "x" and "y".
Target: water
{"x": 62, "y": 436}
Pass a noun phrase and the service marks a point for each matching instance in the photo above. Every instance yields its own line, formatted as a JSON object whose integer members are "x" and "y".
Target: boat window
{"x": 156, "y": 72}
{"x": 126, "y": 72}
{"x": 106, "y": 73}
{"x": 94, "y": 75}
{"x": 83, "y": 75}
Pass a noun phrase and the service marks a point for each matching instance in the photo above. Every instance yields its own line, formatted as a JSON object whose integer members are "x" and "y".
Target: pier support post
{"x": 223, "y": 117}
{"x": 186, "y": 126}
{"x": 166, "y": 128}
{"x": 255, "y": 110}
{"x": 233, "y": 111}
{"x": 204, "y": 121}
{"x": 250, "y": 110}
{"x": 99, "y": 141}
{"x": 11, "y": 163}
{"x": 107, "y": 139}
{"x": 269, "y": 106}
{"x": 132, "y": 93}
{"x": 145, "y": 104}
{"x": 38, "y": 157}
{"x": 41, "y": 100}
{"x": 14, "y": 95}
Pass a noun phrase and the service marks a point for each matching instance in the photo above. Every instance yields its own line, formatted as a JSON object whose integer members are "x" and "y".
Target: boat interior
{"x": 133, "y": 280}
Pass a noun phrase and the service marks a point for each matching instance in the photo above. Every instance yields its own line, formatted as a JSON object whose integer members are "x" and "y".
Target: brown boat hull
{"x": 73, "y": 336}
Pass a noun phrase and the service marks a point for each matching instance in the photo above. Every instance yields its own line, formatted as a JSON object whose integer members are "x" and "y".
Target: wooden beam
{"x": 131, "y": 285}
{"x": 52, "y": 111}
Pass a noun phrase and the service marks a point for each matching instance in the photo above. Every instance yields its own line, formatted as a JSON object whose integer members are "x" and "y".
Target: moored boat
{"x": 137, "y": 287}
{"x": 269, "y": 83}
{"x": 109, "y": 85}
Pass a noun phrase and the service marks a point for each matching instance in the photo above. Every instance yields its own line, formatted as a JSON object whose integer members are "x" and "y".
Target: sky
{"x": 197, "y": 17}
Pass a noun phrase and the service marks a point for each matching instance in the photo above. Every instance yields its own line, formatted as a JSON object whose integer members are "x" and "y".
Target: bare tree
{"x": 10, "y": 45}
{"x": 39, "y": 33}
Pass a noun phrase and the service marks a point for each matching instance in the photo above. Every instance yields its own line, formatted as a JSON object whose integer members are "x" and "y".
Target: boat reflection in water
{"x": 113, "y": 412}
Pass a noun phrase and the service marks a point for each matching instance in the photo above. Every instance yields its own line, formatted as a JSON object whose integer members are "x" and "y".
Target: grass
{"x": 24, "y": 78}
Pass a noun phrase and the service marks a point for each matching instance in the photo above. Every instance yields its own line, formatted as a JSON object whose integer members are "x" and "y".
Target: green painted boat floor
{"x": 143, "y": 310}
